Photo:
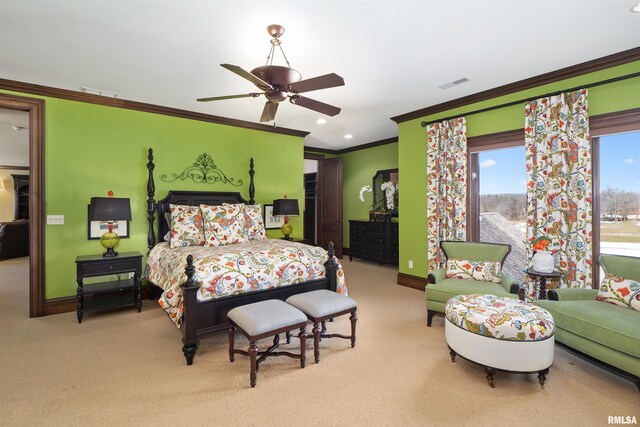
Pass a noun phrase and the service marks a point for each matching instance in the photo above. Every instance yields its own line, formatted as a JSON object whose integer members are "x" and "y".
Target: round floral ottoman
{"x": 500, "y": 333}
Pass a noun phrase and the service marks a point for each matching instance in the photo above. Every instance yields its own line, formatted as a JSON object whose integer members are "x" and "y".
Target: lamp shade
{"x": 288, "y": 207}
{"x": 109, "y": 209}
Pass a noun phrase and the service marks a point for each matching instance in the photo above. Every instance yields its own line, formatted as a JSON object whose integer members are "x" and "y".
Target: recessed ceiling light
{"x": 321, "y": 121}
{"x": 635, "y": 9}
{"x": 348, "y": 136}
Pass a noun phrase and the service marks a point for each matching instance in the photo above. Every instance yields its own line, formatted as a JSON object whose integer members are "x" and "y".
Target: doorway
{"x": 34, "y": 108}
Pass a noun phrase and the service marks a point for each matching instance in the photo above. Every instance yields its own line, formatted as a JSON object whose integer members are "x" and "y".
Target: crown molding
{"x": 71, "y": 95}
{"x": 605, "y": 62}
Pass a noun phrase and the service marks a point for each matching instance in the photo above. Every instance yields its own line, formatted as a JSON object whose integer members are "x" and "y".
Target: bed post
{"x": 331, "y": 267}
{"x": 189, "y": 312}
{"x": 252, "y": 189}
{"x": 151, "y": 203}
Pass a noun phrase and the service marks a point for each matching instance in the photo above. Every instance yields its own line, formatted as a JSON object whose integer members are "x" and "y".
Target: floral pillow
{"x": 616, "y": 290}
{"x": 223, "y": 225}
{"x": 186, "y": 226}
{"x": 484, "y": 271}
{"x": 254, "y": 222}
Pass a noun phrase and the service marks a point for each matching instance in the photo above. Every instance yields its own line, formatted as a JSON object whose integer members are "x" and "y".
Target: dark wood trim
{"x": 595, "y": 220}
{"x": 506, "y": 139}
{"x": 17, "y": 168}
{"x": 313, "y": 156}
{"x": 379, "y": 143}
{"x": 373, "y": 144}
{"x": 411, "y": 281}
{"x": 621, "y": 121}
{"x": 35, "y": 108}
{"x": 553, "y": 76}
{"x": 71, "y": 95}
{"x": 319, "y": 150}
{"x": 473, "y": 199}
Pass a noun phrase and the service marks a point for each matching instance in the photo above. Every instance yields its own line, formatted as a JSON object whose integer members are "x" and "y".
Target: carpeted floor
{"x": 126, "y": 368}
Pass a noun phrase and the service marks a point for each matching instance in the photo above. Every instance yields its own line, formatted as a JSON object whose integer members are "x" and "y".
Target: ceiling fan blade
{"x": 269, "y": 111}
{"x": 314, "y": 105}
{"x": 218, "y": 98}
{"x": 247, "y": 75}
{"x": 315, "y": 83}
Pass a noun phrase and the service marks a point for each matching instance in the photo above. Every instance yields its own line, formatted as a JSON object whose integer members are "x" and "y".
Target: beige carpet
{"x": 125, "y": 368}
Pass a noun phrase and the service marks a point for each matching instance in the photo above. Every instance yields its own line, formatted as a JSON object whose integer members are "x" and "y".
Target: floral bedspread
{"x": 235, "y": 269}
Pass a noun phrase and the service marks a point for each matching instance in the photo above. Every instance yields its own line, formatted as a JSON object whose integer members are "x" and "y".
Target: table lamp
{"x": 286, "y": 207}
{"x": 109, "y": 209}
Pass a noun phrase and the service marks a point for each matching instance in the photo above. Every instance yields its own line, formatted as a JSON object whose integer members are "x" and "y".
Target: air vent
{"x": 454, "y": 83}
{"x": 99, "y": 92}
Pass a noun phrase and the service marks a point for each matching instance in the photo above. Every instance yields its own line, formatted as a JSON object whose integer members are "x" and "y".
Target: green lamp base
{"x": 109, "y": 240}
{"x": 286, "y": 229}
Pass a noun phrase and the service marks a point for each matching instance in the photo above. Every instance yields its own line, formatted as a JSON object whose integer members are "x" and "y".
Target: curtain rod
{"x": 508, "y": 104}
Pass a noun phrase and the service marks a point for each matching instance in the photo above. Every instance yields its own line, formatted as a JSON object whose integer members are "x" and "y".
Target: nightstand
{"x": 113, "y": 293}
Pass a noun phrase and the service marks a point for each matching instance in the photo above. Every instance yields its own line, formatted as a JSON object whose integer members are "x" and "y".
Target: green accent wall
{"x": 91, "y": 149}
{"x": 612, "y": 97}
{"x": 358, "y": 169}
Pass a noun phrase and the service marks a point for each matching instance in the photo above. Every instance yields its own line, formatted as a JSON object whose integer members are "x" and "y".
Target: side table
{"x": 541, "y": 278}
{"x": 108, "y": 294}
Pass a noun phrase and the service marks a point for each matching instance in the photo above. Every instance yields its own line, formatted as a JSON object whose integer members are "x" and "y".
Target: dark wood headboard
{"x": 193, "y": 198}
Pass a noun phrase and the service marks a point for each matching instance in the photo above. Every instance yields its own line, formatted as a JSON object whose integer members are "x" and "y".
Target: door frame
{"x": 35, "y": 108}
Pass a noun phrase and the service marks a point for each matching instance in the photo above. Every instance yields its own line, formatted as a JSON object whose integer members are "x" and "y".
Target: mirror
{"x": 389, "y": 178}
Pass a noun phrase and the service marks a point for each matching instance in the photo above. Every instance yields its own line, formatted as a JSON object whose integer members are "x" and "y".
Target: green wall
{"x": 358, "y": 169}
{"x": 91, "y": 149}
{"x": 618, "y": 96}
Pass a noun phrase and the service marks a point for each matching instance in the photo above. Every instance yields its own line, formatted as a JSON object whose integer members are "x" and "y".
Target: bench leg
{"x": 232, "y": 332}
{"x": 253, "y": 352}
{"x": 316, "y": 342}
{"x": 303, "y": 346}
{"x": 353, "y": 319}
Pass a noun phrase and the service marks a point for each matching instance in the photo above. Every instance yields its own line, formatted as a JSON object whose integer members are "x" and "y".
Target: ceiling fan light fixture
{"x": 348, "y": 136}
{"x": 321, "y": 121}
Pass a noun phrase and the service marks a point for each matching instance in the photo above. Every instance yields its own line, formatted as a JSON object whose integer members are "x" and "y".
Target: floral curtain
{"x": 559, "y": 199}
{"x": 446, "y": 186}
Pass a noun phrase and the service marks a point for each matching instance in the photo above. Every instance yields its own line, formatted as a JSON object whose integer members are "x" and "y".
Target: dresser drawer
{"x": 374, "y": 227}
{"x": 374, "y": 253}
{"x": 394, "y": 229}
{"x": 355, "y": 236}
{"x": 355, "y": 226}
{"x": 374, "y": 239}
{"x": 111, "y": 267}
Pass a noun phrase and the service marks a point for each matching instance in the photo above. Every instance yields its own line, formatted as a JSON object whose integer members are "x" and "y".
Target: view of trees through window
{"x": 620, "y": 194}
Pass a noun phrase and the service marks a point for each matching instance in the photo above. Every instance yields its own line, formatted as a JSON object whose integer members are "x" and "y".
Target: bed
{"x": 193, "y": 298}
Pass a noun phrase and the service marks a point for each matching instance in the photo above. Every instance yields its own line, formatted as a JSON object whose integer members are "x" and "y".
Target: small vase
{"x": 543, "y": 262}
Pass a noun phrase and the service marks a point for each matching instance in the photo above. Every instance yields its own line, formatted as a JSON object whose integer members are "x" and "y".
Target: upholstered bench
{"x": 323, "y": 305}
{"x": 265, "y": 319}
{"x": 500, "y": 333}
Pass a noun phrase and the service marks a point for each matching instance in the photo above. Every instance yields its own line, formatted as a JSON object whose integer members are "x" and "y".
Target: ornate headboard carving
{"x": 193, "y": 198}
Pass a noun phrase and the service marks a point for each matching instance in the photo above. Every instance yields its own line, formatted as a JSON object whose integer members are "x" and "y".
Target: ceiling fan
{"x": 279, "y": 83}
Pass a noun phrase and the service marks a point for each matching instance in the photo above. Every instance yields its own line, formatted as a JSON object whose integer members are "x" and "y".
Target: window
{"x": 502, "y": 203}
{"x": 619, "y": 195}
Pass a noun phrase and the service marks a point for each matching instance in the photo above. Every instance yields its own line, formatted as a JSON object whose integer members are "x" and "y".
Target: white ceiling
{"x": 393, "y": 55}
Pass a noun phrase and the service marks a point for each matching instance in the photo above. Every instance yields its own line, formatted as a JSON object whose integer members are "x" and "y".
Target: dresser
{"x": 374, "y": 241}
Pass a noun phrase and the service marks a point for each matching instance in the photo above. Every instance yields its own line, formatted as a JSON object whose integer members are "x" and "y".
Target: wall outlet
{"x": 55, "y": 219}
{"x": 410, "y": 263}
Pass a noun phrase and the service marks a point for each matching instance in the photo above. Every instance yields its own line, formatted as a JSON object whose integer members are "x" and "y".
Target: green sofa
{"x": 602, "y": 332}
{"x": 439, "y": 289}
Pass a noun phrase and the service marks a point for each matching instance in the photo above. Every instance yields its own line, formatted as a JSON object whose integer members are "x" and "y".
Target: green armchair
{"x": 603, "y": 333}
{"x": 439, "y": 289}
